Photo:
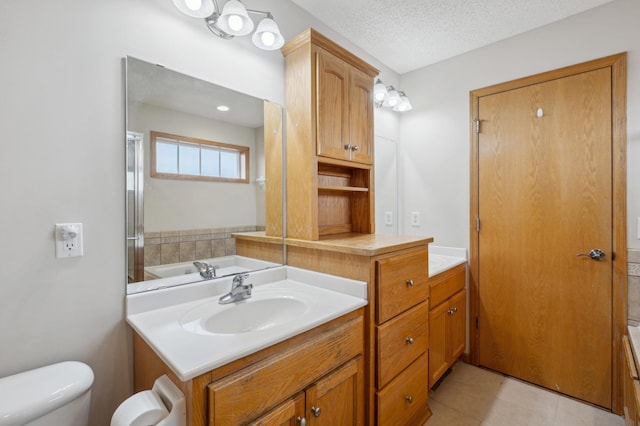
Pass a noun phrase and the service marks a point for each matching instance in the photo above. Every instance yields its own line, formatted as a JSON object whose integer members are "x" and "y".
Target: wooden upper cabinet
{"x": 332, "y": 106}
{"x": 329, "y": 143}
{"x": 344, "y": 110}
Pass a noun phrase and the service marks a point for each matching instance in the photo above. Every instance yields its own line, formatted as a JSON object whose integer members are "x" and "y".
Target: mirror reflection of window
{"x": 179, "y": 157}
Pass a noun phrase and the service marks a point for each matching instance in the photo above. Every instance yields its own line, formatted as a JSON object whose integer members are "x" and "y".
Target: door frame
{"x": 618, "y": 65}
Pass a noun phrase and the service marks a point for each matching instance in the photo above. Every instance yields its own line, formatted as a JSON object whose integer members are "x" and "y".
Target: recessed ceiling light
{"x": 223, "y": 108}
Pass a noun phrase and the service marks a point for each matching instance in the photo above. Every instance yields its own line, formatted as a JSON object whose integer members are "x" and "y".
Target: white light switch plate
{"x": 415, "y": 218}
{"x": 68, "y": 240}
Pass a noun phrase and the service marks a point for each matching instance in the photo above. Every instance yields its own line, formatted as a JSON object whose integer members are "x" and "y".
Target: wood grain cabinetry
{"x": 447, "y": 321}
{"x": 317, "y": 377}
{"x": 396, "y": 331}
{"x": 402, "y": 338}
{"x": 329, "y": 153}
{"x": 344, "y": 109}
{"x": 631, "y": 386}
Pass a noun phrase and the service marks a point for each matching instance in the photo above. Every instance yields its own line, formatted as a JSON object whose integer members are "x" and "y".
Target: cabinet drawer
{"x": 248, "y": 393}
{"x": 446, "y": 284}
{"x": 404, "y": 400}
{"x": 400, "y": 341}
{"x": 402, "y": 282}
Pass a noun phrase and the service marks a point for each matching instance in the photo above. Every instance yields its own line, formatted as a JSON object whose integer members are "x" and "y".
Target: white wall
{"x": 62, "y": 159}
{"x": 180, "y": 204}
{"x": 434, "y": 140}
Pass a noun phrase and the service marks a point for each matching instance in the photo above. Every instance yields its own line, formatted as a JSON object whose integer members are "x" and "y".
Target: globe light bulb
{"x": 235, "y": 22}
{"x": 193, "y": 4}
{"x": 268, "y": 38}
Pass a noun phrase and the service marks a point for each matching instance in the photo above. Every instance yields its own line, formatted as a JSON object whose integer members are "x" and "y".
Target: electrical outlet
{"x": 415, "y": 218}
{"x": 388, "y": 218}
{"x": 68, "y": 240}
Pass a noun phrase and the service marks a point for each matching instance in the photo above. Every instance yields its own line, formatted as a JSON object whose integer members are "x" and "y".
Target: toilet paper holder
{"x": 163, "y": 405}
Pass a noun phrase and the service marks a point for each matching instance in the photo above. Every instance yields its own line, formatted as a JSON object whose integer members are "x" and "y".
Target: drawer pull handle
{"x": 302, "y": 421}
{"x": 316, "y": 411}
{"x": 409, "y": 399}
{"x": 410, "y": 283}
{"x": 409, "y": 340}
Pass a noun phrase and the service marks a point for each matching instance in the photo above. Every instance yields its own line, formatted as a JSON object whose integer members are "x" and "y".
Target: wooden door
{"x": 360, "y": 116}
{"x": 545, "y": 196}
{"x": 332, "y": 106}
{"x": 334, "y": 400}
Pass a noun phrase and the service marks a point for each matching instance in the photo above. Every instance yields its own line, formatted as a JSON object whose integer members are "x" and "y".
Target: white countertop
{"x": 156, "y": 316}
{"x": 444, "y": 258}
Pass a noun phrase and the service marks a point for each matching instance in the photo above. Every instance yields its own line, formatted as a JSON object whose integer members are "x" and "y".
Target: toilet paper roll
{"x": 142, "y": 409}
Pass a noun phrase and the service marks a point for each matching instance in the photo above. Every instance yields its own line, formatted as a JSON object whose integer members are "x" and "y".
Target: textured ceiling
{"x": 409, "y": 34}
{"x": 155, "y": 85}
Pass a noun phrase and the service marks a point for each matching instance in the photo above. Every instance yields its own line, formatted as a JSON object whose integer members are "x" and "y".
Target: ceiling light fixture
{"x": 233, "y": 20}
{"x": 388, "y": 96}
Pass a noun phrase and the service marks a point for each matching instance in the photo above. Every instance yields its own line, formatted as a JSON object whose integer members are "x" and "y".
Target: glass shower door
{"x": 135, "y": 208}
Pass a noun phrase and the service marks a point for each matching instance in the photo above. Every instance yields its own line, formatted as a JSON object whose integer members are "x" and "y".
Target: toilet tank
{"x": 57, "y": 394}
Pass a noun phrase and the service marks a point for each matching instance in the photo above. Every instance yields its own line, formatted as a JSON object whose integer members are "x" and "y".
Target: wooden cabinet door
{"x": 438, "y": 360}
{"x": 334, "y": 399}
{"x": 457, "y": 325}
{"x": 289, "y": 413}
{"x": 361, "y": 117}
{"x": 332, "y": 106}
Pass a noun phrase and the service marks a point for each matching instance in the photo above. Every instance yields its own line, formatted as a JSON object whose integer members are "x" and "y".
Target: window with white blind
{"x": 181, "y": 157}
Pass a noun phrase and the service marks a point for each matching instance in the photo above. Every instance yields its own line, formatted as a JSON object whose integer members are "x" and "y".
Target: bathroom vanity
{"x": 396, "y": 333}
{"x": 307, "y": 366}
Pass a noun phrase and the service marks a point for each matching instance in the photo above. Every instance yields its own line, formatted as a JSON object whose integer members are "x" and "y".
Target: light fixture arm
{"x": 212, "y": 21}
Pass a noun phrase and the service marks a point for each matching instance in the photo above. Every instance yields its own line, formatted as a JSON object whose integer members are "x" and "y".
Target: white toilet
{"x": 57, "y": 394}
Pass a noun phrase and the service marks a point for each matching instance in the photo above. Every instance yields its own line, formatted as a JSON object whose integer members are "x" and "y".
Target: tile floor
{"x": 472, "y": 396}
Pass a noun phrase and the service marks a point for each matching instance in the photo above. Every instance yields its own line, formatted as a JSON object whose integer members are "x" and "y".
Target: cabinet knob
{"x": 316, "y": 411}
{"x": 454, "y": 310}
{"x": 410, "y": 283}
{"x": 302, "y": 421}
{"x": 409, "y": 399}
{"x": 347, "y": 146}
{"x": 355, "y": 148}
{"x": 409, "y": 340}
{"x": 450, "y": 311}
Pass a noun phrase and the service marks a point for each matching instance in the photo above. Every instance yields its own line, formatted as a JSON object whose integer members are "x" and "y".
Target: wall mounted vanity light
{"x": 388, "y": 96}
{"x": 233, "y": 20}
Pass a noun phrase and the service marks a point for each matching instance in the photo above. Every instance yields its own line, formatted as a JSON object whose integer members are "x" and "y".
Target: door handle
{"x": 595, "y": 254}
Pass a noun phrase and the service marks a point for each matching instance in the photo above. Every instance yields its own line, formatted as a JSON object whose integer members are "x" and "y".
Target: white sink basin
{"x": 258, "y": 313}
{"x": 193, "y": 333}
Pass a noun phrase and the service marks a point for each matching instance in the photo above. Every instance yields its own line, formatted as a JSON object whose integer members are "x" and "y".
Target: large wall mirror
{"x": 195, "y": 177}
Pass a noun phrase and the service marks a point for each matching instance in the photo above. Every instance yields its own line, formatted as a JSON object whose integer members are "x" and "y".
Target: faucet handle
{"x": 239, "y": 279}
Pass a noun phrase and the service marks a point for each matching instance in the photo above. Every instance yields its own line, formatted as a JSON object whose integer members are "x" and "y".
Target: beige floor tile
{"x": 574, "y": 413}
{"x": 529, "y": 396}
{"x": 471, "y": 375}
{"x": 473, "y": 400}
{"x": 471, "y": 396}
{"x": 504, "y": 413}
{"x": 445, "y": 416}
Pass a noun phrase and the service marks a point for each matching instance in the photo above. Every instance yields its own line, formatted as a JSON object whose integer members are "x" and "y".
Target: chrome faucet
{"x": 207, "y": 270}
{"x": 239, "y": 290}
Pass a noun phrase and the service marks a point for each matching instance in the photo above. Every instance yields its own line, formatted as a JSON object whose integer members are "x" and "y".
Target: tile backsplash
{"x": 633, "y": 272}
{"x": 188, "y": 245}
